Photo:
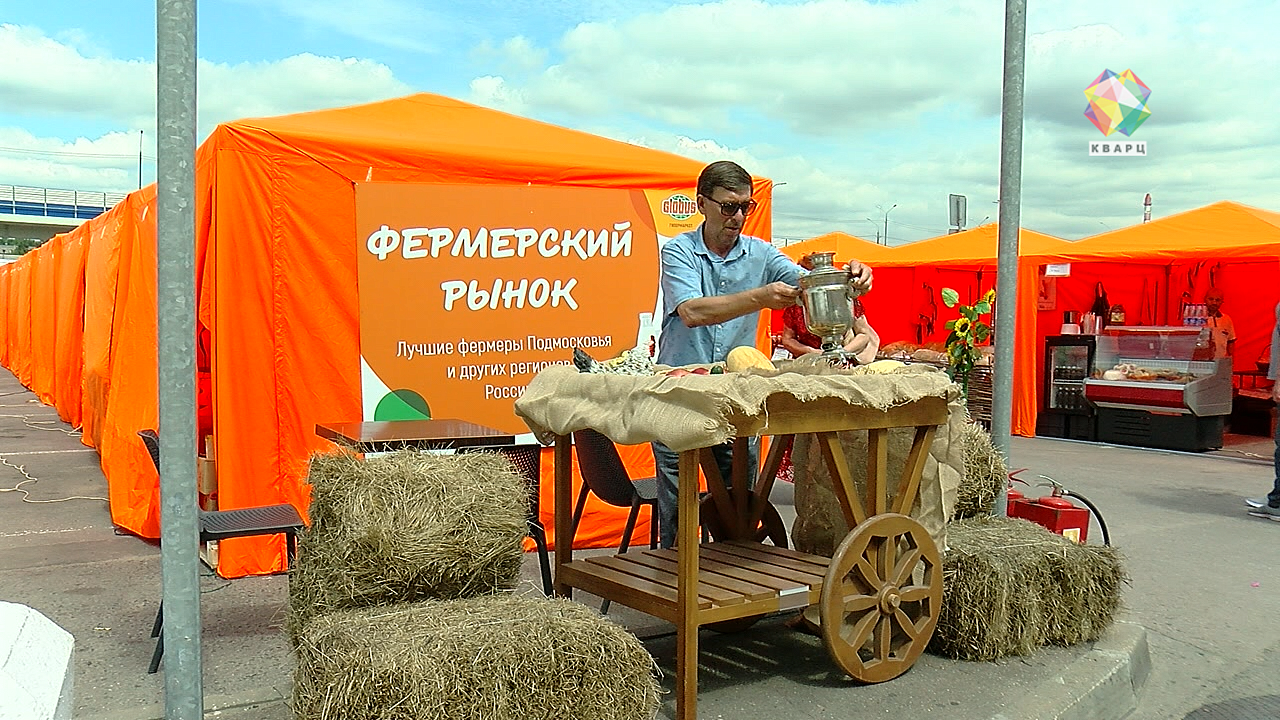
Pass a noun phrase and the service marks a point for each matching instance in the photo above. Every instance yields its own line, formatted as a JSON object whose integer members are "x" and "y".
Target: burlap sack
{"x": 699, "y": 411}
{"x": 820, "y": 527}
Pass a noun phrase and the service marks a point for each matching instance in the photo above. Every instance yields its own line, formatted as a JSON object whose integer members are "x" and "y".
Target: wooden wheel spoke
{"x": 907, "y": 624}
{"x": 888, "y": 554}
{"x": 868, "y": 573}
{"x": 856, "y": 635}
{"x": 859, "y": 603}
{"x": 884, "y": 637}
{"x": 915, "y": 593}
{"x": 902, "y": 571}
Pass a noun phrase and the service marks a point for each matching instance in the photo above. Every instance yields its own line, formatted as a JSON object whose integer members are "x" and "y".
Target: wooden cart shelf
{"x": 736, "y": 579}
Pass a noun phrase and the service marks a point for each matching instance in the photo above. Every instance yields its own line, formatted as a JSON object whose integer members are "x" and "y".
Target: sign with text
{"x": 467, "y": 291}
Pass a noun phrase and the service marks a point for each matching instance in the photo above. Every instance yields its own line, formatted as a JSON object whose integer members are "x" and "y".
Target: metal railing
{"x": 53, "y": 203}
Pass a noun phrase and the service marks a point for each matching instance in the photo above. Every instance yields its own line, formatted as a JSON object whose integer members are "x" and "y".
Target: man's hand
{"x": 859, "y": 278}
{"x": 777, "y": 295}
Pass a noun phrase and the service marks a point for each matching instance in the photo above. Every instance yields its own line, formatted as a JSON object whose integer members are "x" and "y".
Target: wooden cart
{"x": 879, "y": 594}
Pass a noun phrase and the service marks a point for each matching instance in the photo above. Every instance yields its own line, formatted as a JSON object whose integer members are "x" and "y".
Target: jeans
{"x": 667, "y": 470}
{"x": 1273, "y": 497}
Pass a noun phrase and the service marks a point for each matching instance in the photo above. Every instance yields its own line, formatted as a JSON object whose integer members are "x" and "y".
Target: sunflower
{"x": 962, "y": 325}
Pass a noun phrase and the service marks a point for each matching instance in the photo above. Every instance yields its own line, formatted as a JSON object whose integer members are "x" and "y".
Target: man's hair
{"x": 726, "y": 174}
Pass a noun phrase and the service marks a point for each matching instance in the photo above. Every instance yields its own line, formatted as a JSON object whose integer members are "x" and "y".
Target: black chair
{"x": 527, "y": 460}
{"x": 605, "y": 476}
{"x": 223, "y": 524}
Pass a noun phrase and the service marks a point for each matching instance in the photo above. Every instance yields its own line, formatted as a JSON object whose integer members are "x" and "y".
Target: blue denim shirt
{"x": 690, "y": 270}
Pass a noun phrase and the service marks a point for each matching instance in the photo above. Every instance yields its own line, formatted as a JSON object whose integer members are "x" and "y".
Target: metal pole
{"x": 175, "y": 307}
{"x": 1015, "y": 36}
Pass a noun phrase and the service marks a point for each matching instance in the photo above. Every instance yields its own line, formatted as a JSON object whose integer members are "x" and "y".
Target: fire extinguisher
{"x": 1054, "y": 511}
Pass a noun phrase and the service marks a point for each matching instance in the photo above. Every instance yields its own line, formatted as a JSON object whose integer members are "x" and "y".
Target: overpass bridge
{"x": 34, "y": 214}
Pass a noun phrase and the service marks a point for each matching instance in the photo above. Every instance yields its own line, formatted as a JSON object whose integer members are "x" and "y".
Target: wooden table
{"x": 737, "y": 578}
{"x": 392, "y": 435}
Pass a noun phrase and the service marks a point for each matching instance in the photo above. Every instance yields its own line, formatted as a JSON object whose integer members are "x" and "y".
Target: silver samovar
{"x": 826, "y": 296}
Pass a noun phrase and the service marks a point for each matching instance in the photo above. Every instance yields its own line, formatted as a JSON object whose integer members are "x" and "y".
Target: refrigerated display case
{"x": 1151, "y": 388}
{"x": 1068, "y": 361}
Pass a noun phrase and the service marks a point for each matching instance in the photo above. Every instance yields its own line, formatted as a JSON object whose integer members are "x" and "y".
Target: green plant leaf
{"x": 949, "y": 325}
{"x": 968, "y": 312}
{"x": 983, "y": 308}
{"x": 982, "y": 332}
{"x": 950, "y": 297}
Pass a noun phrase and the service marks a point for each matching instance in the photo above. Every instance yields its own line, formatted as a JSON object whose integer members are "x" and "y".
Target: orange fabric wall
{"x": 132, "y": 384}
{"x": 4, "y": 315}
{"x": 103, "y": 257}
{"x": 69, "y": 351}
{"x": 44, "y": 285}
{"x": 21, "y": 347}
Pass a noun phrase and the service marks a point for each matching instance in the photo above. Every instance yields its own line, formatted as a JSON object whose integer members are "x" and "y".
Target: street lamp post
{"x": 886, "y": 223}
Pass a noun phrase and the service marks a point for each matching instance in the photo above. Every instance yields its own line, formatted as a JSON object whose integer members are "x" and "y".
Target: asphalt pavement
{"x": 1196, "y": 638}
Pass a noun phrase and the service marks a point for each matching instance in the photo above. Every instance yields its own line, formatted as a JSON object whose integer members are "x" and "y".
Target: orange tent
{"x": 1155, "y": 268}
{"x": 845, "y": 246}
{"x": 276, "y": 284}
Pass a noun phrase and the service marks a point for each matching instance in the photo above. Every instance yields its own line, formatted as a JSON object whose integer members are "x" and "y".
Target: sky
{"x": 859, "y": 111}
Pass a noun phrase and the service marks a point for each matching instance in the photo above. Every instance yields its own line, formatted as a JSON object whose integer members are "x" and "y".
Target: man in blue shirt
{"x": 715, "y": 282}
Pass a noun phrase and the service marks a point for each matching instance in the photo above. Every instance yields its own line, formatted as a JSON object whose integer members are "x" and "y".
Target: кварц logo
{"x": 1117, "y": 102}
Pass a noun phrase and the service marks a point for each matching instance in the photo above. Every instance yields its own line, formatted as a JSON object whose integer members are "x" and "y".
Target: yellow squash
{"x": 745, "y": 356}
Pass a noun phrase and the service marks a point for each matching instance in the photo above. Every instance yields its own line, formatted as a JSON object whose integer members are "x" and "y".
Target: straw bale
{"x": 985, "y": 473}
{"x": 496, "y": 657}
{"x": 820, "y": 525}
{"x": 1011, "y": 586}
{"x": 407, "y": 526}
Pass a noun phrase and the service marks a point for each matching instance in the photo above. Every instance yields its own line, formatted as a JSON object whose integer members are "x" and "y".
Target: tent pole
{"x": 1015, "y": 34}
{"x": 176, "y": 335}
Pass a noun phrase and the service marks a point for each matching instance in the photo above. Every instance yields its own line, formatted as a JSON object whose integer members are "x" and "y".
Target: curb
{"x": 1103, "y": 685}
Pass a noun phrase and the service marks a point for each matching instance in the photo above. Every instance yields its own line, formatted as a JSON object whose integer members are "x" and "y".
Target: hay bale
{"x": 497, "y": 657}
{"x": 985, "y": 474}
{"x": 404, "y": 527}
{"x": 1011, "y": 586}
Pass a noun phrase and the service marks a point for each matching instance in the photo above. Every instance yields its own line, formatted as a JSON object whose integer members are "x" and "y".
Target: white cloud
{"x": 855, "y": 104}
{"x": 391, "y": 23}
{"x": 60, "y": 82}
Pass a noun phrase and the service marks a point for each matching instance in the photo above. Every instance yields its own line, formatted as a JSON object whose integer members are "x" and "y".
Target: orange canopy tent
{"x": 1154, "y": 269}
{"x": 276, "y": 283}
{"x": 845, "y": 246}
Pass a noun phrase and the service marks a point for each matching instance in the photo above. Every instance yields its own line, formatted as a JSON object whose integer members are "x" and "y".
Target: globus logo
{"x": 679, "y": 206}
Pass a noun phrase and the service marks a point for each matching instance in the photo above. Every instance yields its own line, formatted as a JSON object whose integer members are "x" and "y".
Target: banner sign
{"x": 468, "y": 291}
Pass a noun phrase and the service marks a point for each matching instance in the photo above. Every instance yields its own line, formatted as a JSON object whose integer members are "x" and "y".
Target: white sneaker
{"x": 1255, "y": 502}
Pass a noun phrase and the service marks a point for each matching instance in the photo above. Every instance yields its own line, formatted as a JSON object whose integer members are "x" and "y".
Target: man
{"x": 715, "y": 282}
{"x": 1221, "y": 328}
{"x": 1269, "y": 506}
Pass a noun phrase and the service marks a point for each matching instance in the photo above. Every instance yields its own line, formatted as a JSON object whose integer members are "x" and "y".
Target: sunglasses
{"x": 729, "y": 209}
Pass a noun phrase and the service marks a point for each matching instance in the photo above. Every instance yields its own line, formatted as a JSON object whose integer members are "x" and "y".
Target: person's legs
{"x": 1273, "y": 497}
{"x": 724, "y": 460}
{"x": 666, "y": 465}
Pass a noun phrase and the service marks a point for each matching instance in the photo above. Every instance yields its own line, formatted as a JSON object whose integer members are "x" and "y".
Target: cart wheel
{"x": 771, "y": 527}
{"x": 881, "y": 597}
